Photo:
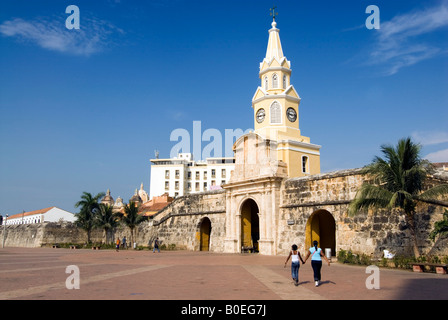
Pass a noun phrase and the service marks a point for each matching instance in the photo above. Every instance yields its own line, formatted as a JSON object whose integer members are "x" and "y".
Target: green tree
{"x": 106, "y": 219}
{"x": 89, "y": 207}
{"x": 132, "y": 218}
{"x": 398, "y": 182}
{"x": 440, "y": 227}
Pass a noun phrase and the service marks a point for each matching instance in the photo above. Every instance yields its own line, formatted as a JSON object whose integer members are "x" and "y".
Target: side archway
{"x": 321, "y": 227}
{"x": 205, "y": 228}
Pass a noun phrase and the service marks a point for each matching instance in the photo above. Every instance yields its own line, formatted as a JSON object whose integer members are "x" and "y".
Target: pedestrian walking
{"x": 124, "y": 242}
{"x": 156, "y": 245}
{"x": 316, "y": 261}
{"x": 117, "y": 244}
{"x": 295, "y": 256}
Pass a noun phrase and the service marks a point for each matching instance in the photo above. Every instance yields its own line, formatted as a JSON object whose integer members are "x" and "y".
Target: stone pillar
{"x": 231, "y": 240}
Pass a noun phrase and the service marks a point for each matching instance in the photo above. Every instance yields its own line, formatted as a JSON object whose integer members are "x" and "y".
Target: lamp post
{"x": 4, "y": 231}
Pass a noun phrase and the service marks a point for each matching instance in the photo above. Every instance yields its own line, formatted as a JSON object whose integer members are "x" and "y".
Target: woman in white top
{"x": 294, "y": 254}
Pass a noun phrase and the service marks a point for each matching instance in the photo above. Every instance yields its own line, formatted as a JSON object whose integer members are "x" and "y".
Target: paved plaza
{"x": 40, "y": 274}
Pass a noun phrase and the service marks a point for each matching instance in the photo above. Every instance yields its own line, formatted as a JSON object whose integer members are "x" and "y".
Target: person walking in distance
{"x": 124, "y": 242}
{"x": 117, "y": 244}
{"x": 294, "y": 254}
{"x": 156, "y": 245}
{"x": 316, "y": 261}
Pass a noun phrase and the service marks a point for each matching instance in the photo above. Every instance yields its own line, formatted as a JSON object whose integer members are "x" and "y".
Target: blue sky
{"x": 84, "y": 110}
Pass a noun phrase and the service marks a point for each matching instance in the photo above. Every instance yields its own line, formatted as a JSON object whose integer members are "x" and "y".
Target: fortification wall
{"x": 180, "y": 222}
{"x": 300, "y": 200}
{"x": 367, "y": 232}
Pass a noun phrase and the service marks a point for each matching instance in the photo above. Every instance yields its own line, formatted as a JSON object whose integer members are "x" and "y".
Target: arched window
{"x": 305, "y": 164}
{"x": 266, "y": 83}
{"x": 275, "y": 81}
{"x": 276, "y": 113}
{"x": 284, "y": 81}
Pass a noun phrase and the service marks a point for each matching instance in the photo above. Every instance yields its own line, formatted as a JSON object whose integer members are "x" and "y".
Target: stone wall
{"x": 299, "y": 198}
{"x": 51, "y": 233}
{"x": 179, "y": 223}
{"x": 45, "y": 234}
{"x": 367, "y": 232}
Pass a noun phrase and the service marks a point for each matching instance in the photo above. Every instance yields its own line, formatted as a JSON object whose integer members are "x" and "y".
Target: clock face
{"x": 260, "y": 115}
{"x": 291, "y": 114}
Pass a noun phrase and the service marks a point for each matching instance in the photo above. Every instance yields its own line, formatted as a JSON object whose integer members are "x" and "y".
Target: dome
{"x": 143, "y": 194}
{"x": 108, "y": 200}
{"x": 136, "y": 198}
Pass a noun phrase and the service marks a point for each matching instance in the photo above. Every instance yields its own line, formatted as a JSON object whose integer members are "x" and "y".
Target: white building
{"x": 52, "y": 214}
{"x": 182, "y": 175}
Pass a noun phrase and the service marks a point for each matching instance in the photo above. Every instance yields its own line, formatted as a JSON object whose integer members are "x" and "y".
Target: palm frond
{"x": 369, "y": 196}
{"x": 437, "y": 192}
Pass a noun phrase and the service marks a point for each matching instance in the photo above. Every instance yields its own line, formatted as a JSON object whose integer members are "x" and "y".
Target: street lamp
{"x": 4, "y": 230}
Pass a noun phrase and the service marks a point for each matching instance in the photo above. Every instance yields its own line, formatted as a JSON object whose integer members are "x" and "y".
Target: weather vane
{"x": 273, "y": 13}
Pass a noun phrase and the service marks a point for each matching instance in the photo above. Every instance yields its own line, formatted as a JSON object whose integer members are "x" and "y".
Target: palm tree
{"x": 106, "y": 219}
{"x": 89, "y": 206}
{"x": 131, "y": 217}
{"x": 398, "y": 182}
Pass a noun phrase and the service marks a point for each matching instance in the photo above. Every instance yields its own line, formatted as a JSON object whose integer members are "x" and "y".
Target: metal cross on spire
{"x": 273, "y": 13}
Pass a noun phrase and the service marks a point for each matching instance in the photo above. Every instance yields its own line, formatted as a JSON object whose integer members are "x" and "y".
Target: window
{"x": 167, "y": 185}
{"x": 284, "y": 81}
{"x": 223, "y": 173}
{"x": 177, "y": 174}
{"x": 205, "y": 186}
{"x": 197, "y": 175}
{"x": 266, "y": 83}
{"x": 275, "y": 81}
{"x": 305, "y": 164}
{"x": 189, "y": 186}
{"x": 276, "y": 113}
{"x": 196, "y": 186}
{"x": 205, "y": 174}
{"x": 176, "y": 185}
{"x": 167, "y": 174}
{"x": 189, "y": 174}
{"x": 213, "y": 173}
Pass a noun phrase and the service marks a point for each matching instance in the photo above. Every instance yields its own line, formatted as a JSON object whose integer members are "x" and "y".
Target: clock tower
{"x": 276, "y": 111}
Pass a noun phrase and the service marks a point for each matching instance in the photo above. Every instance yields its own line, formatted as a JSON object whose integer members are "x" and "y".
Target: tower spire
{"x": 273, "y": 13}
{"x": 274, "y": 45}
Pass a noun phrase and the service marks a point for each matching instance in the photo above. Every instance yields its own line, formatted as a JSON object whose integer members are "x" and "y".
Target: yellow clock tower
{"x": 276, "y": 112}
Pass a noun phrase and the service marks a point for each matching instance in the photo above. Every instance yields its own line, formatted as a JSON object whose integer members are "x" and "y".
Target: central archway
{"x": 250, "y": 225}
{"x": 321, "y": 227}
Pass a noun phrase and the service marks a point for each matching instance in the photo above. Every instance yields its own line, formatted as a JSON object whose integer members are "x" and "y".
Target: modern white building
{"x": 51, "y": 214}
{"x": 182, "y": 175}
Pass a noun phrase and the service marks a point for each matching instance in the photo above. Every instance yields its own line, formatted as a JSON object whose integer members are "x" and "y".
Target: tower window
{"x": 284, "y": 81}
{"x": 275, "y": 81}
{"x": 305, "y": 164}
{"x": 276, "y": 113}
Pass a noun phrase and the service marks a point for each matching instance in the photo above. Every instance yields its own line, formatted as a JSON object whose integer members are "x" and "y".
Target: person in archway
{"x": 294, "y": 254}
{"x": 316, "y": 261}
